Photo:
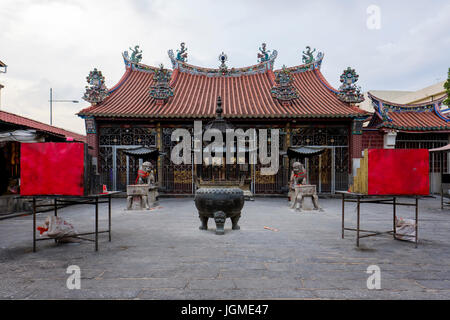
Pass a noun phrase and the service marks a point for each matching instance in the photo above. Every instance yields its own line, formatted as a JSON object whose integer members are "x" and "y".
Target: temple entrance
{"x": 329, "y": 171}
{"x": 319, "y": 169}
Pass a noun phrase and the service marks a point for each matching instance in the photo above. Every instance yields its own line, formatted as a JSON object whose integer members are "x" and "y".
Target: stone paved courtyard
{"x": 161, "y": 254}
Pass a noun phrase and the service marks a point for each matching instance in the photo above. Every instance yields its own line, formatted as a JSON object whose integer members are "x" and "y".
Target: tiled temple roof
{"x": 245, "y": 92}
{"x": 15, "y": 119}
{"x": 412, "y": 117}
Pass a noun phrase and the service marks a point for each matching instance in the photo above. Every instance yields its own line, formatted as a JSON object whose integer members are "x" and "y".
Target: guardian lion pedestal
{"x": 145, "y": 194}
{"x": 144, "y": 190}
{"x": 300, "y": 192}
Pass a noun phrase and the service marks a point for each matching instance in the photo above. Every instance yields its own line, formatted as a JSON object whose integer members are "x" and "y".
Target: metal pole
{"x": 109, "y": 215}
{"x": 51, "y": 99}
{"x": 343, "y": 208}
{"x": 56, "y": 212}
{"x": 96, "y": 223}
{"x": 395, "y": 216}
{"x": 357, "y": 223}
{"x": 417, "y": 220}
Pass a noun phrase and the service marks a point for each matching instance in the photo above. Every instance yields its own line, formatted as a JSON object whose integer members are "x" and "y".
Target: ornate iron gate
{"x": 116, "y": 169}
{"x": 330, "y": 170}
{"x": 175, "y": 178}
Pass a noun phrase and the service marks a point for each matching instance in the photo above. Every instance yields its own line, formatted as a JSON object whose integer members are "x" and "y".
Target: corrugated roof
{"x": 29, "y": 123}
{"x": 247, "y": 95}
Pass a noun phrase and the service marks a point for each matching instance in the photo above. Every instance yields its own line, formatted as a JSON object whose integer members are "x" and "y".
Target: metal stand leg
{"x": 395, "y": 215}
{"x": 34, "y": 224}
{"x": 96, "y": 224}
{"x": 343, "y": 214}
{"x": 357, "y": 221}
{"x": 109, "y": 217}
{"x": 56, "y": 211}
{"x": 417, "y": 221}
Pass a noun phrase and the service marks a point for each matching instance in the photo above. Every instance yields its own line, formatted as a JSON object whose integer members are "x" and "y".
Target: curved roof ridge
{"x": 121, "y": 81}
{"x": 261, "y": 67}
{"x": 324, "y": 81}
{"x": 400, "y": 116}
{"x": 407, "y": 105}
{"x": 316, "y": 64}
{"x": 137, "y": 65}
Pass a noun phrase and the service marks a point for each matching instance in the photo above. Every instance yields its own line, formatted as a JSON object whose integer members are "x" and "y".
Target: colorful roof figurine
{"x": 161, "y": 90}
{"x": 263, "y": 54}
{"x": 349, "y": 91}
{"x": 136, "y": 54}
{"x": 426, "y": 116}
{"x": 284, "y": 91}
{"x": 96, "y": 91}
{"x": 246, "y": 92}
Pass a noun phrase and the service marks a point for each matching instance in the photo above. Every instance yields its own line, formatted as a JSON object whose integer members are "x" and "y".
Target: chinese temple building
{"x": 411, "y": 126}
{"x": 148, "y": 103}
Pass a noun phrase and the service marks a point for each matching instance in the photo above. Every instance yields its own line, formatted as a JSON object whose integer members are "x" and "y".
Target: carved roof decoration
{"x": 284, "y": 90}
{"x": 349, "y": 91}
{"x": 161, "y": 90}
{"x": 246, "y": 92}
{"x": 231, "y": 72}
{"x": 96, "y": 91}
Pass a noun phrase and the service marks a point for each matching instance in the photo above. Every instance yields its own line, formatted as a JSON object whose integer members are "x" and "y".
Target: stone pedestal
{"x": 298, "y": 194}
{"x": 143, "y": 193}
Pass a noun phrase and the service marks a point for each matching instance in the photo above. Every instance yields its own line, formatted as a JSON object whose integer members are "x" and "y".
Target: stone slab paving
{"x": 161, "y": 254}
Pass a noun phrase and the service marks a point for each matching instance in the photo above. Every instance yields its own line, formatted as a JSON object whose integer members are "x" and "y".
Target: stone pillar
{"x": 92, "y": 139}
{"x": 356, "y": 149}
{"x": 287, "y": 144}
{"x": 159, "y": 145}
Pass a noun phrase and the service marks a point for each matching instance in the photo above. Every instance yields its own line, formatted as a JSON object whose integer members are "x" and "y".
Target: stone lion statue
{"x": 299, "y": 189}
{"x": 144, "y": 187}
{"x": 146, "y": 174}
{"x": 298, "y": 175}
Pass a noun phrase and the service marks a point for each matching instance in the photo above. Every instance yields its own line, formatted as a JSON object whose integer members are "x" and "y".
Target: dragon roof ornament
{"x": 96, "y": 91}
{"x": 136, "y": 54}
{"x": 182, "y": 54}
{"x": 263, "y": 54}
{"x": 134, "y": 61}
{"x": 308, "y": 57}
{"x": 309, "y": 62}
{"x": 348, "y": 91}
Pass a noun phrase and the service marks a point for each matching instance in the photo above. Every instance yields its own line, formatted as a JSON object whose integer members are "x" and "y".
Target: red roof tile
{"x": 415, "y": 117}
{"x": 33, "y": 124}
{"x": 247, "y": 95}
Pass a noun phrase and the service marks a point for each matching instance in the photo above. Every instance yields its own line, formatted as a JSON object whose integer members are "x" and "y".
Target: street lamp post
{"x": 51, "y": 103}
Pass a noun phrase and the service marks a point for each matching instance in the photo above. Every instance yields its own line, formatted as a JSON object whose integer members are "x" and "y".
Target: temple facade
{"x": 148, "y": 103}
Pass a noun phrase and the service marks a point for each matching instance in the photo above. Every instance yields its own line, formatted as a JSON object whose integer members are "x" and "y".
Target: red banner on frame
{"x": 399, "y": 171}
{"x": 52, "y": 168}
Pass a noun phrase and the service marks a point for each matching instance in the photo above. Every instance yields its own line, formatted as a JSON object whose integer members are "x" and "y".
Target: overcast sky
{"x": 54, "y": 44}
